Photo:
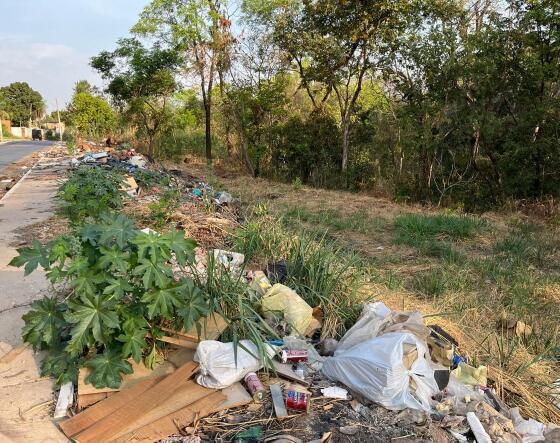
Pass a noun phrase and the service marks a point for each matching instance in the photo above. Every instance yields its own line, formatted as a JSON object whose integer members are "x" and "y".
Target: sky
{"x": 48, "y": 43}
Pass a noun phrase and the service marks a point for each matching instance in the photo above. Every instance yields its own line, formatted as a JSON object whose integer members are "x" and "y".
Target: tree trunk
{"x": 207, "y": 124}
{"x": 345, "y": 142}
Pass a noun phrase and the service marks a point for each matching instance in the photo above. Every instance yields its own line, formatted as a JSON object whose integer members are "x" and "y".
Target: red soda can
{"x": 298, "y": 399}
{"x": 254, "y": 386}
{"x": 294, "y": 355}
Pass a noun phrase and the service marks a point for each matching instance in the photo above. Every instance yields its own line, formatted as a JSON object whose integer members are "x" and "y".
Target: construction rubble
{"x": 390, "y": 377}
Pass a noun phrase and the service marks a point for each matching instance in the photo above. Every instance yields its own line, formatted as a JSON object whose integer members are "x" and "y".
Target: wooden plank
{"x": 84, "y": 401}
{"x": 110, "y": 426}
{"x": 236, "y": 395}
{"x": 179, "y": 342}
{"x": 175, "y": 422}
{"x": 284, "y": 370}
{"x": 141, "y": 372}
{"x": 211, "y": 328}
{"x": 184, "y": 394}
{"x": 65, "y": 400}
{"x": 278, "y": 400}
{"x": 100, "y": 410}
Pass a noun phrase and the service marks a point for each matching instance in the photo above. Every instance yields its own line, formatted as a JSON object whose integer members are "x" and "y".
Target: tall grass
{"x": 319, "y": 270}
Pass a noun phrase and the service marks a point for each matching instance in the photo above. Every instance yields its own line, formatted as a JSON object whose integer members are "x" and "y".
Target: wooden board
{"x": 210, "y": 329}
{"x": 141, "y": 372}
{"x": 149, "y": 400}
{"x": 184, "y": 394}
{"x": 175, "y": 422}
{"x": 179, "y": 342}
{"x": 278, "y": 400}
{"x": 236, "y": 395}
{"x": 285, "y": 370}
{"x": 100, "y": 410}
{"x": 85, "y": 401}
{"x": 65, "y": 400}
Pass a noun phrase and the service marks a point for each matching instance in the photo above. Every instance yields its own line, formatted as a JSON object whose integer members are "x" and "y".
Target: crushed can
{"x": 254, "y": 386}
{"x": 294, "y": 355}
{"x": 298, "y": 398}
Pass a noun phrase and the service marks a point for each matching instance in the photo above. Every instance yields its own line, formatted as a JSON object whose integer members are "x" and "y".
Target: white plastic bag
{"x": 375, "y": 369}
{"x": 530, "y": 430}
{"x": 218, "y": 365}
{"x": 377, "y": 319}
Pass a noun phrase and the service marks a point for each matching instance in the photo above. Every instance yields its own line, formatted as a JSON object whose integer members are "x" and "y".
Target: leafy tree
{"x": 141, "y": 81}
{"x": 22, "y": 102}
{"x": 91, "y": 115}
{"x": 200, "y": 30}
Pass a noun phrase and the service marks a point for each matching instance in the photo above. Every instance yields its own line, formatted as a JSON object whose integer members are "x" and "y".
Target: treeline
{"x": 449, "y": 101}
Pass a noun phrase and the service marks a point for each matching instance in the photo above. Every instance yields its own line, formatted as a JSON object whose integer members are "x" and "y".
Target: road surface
{"x": 14, "y": 151}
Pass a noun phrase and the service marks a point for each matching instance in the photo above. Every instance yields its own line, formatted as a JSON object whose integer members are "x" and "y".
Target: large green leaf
{"x": 133, "y": 343}
{"x": 106, "y": 369}
{"x": 61, "y": 366}
{"x": 194, "y": 304}
{"x": 31, "y": 257}
{"x": 91, "y": 314}
{"x": 162, "y": 301}
{"x": 153, "y": 246}
{"x": 117, "y": 287}
{"x": 117, "y": 229}
{"x": 181, "y": 246}
{"x": 44, "y": 322}
{"x": 153, "y": 273}
{"x": 87, "y": 282}
{"x": 113, "y": 258}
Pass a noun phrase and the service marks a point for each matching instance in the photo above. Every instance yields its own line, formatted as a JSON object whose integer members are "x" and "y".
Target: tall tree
{"x": 198, "y": 29}
{"x": 22, "y": 102}
{"x": 141, "y": 82}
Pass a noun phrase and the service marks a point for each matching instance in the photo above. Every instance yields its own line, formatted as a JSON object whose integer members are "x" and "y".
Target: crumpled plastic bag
{"x": 530, "y": 430}
{"x": 375, "y": 369}
{"x": 377, "y": 319}
{"x": 218, "y": 365}
{"x": 296, "y": 312}
{"x": 314, "y": 360}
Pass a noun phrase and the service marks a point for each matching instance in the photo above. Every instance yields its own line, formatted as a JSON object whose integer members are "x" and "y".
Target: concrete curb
{"x": 17, "y": 184}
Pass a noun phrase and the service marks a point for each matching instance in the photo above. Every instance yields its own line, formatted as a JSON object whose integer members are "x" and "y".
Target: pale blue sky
{"x": 48, "y": 43}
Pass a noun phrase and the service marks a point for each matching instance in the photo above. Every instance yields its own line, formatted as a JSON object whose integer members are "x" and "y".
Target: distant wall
{"x": 21, "y": 132}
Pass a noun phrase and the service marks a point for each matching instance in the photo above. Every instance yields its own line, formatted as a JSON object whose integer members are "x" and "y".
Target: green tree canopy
{"x": 22, "y": 102}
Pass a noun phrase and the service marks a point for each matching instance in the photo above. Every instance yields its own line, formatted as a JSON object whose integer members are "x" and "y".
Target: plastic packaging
{"x": 219, "y": 367}
{"x": 471, "y": 376}
{"x": 296, "y": 312}
{"x": 378, "y": 319}
{"x": 530, "y": 430}
{"x": 375, "y": 369}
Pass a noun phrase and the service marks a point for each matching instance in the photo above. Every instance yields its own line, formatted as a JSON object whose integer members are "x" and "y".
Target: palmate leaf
{"x": 153, "y": 273}
{"x": 134, "y": 343}
{"x": 90, "y": 233}
{"x": 92, "y": 314}
{"x": 161, "y": 302}
{"x": 61, "y": 366}
{"x": 194, "y": 304}
{"x": 113, "y": 258}
{"x": 153, "y": 246}
{"x": 116, "y": 229}
{"x": 181, "y": 246}
{"x": 107, "y": 369}
{"x": 32, "y": 257}
{"x": 59, "y": 250}
{"x": 117, "y": 288}
{"x": 44, "y": 322}
{"x": 86, "y": 283}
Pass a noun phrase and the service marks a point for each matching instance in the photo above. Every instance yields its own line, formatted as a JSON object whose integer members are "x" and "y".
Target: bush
{"x": 90, "y": 192}
{"x": 122, "y": 289}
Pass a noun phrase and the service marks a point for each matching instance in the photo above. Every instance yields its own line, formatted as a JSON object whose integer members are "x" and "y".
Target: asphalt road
{"x": 14, "y": 151}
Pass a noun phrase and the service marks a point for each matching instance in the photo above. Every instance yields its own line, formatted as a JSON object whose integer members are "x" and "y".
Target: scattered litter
{"x": 335, "y": 392}
{"x": 298, "y": 398}
{"x": 250, "y": 435}
{"x": 478, "y": 430}
{"x": 254, "y": 386}
{"x": 231, "y": 261}
{"x": 471, "y": 376}
{"x": 221, "y": 364}
{"x": 278, "y": 401}
{"x": 376, "y": 370}
{"x": 137, "y": 161}
{"x": 295, "y": 311}
{"x": 277, "y": 271}
{"x": 223, "y": 198}
{"x": 530, "y": 430}
{"x": 65, "y": 400}
{"x": 349, "y": 430}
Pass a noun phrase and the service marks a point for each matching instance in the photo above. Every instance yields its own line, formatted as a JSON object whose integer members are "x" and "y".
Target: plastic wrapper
{"x": 281, "y": 300}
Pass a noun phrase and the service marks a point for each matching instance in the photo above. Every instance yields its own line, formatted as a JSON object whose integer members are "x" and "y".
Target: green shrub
{"x": 122, "y": 287}
{"x": 90, "y": 192}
